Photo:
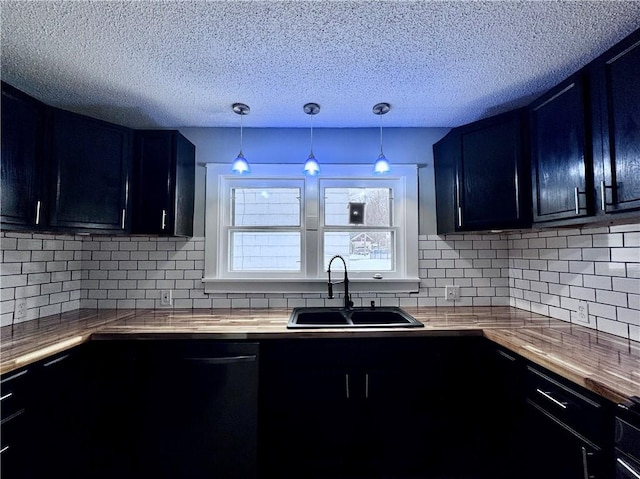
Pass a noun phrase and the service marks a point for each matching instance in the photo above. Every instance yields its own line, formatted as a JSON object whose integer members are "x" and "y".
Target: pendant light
{"x": 382, "y": 165}
{"x": 240, "y": 165}
{"x": 311, "y": 166}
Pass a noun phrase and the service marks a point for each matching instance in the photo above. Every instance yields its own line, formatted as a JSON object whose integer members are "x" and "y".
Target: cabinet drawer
{"x": 13, "y": 394}
{"x": 585, "y": 415}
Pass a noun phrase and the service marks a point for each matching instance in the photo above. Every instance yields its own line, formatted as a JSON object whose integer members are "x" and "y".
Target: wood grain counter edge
{"x": 569, "y": 368}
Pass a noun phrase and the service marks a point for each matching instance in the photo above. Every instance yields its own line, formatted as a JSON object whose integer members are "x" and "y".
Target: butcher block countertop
{"x": 603, "y": 363}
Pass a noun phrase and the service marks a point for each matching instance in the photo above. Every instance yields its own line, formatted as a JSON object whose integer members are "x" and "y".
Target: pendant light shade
{"x": 240, "y": 165}
{"x": 311, "y": 166}
{"x": 381, "y": 165}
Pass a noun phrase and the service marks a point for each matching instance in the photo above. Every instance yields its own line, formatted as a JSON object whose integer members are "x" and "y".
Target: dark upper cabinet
{"x": 446, "y": 155}
{"x": 24, "y": 167}
{"x": 615, "y": 79}
{"x": 561, "y": 163}
{"x": 164, "y": 183}
{"x": 480, "y": 172}
{"x": 91, "y": 161}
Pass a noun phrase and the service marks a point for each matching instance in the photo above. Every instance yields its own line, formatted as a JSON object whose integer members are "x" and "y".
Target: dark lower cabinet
{"x": 402, "y": 407}
{"x": 15, "y": 425}
{"x": 196, "y": 409}
{"x": 568, "y": 432}
{"x": 372, "y": 408}
{"x": 555, "y": 451}
{"x": 59, "y": 435}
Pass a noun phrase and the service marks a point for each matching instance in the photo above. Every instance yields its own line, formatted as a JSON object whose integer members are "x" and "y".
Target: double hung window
{"x": 275, "y": 232}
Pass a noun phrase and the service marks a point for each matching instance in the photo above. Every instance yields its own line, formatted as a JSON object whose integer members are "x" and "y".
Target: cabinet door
{"x": 16, "y": 429}
{"x": 446, "y": 155}
{"x": 492, "y": 168}
{"x": 615, "y": 78}
{"x": 554, "y": 451}
{"x": 61, "y": 410}
{"x": 23, "y": 162}
{"x": 404, "y": 402}
{"x": 561, "y": 164}
{"x": 165, "y": 183}
{"x": 91, "y": 161}
{"x": 197, "y": 410}
{"x": 505, "y": 414}
{"x": 309, "y": 414}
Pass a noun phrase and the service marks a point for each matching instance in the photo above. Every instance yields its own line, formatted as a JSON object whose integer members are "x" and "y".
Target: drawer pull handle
{"x": 563, "y": 405}
{"x": 366, "y": 386}
{"x": 15, "y": 376}
{"x": 346, "y": 383}
{"x": 4, "y": 449}
{"x": 628, "y": 468}
{"x": 57, "y": 360}
{"x": 6, "y": 396}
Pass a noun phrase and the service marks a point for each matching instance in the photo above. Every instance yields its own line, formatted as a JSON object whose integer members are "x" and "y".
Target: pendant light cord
{"x": 311, "y": 134}
{"x": 241, "y": 115}
{"x": 380, "y": 134}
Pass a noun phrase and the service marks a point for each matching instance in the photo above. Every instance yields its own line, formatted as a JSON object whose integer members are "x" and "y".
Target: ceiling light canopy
{"x": 240, "y": 165}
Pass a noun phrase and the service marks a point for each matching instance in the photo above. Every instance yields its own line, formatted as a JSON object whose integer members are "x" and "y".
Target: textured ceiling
{"x": 183, "y": 63}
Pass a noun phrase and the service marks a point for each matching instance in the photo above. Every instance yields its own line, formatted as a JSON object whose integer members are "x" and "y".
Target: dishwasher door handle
{"x": 224, "y": 359}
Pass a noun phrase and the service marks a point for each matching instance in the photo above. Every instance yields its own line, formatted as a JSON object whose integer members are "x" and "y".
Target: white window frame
{"x": 312, "y": 277}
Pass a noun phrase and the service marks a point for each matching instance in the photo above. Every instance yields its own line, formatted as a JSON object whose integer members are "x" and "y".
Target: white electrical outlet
{"x": 452, "y": 293}
{"x": 20, "y": 310}
{"x": 166, "y": 299}
{"x": 583, "y": 312}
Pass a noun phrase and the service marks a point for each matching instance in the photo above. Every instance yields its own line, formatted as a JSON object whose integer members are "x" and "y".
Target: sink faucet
{"x": 347, "y": 299}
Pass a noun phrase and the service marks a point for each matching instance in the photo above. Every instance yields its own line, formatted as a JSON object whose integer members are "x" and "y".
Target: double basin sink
{"x": 378, "y": 317}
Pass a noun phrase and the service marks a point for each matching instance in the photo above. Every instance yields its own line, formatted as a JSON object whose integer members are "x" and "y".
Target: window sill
{"x": 214, "y": 285}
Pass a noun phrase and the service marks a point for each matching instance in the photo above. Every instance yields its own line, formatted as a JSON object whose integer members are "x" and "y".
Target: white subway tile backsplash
{"x": 614, "y": 327}
{"x": 630, "y": 255}
{"x": 631, "y": 316}
{"x": 542, "y": 271}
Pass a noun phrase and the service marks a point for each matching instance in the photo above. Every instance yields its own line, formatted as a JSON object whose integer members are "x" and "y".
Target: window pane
{"x": 376, "y": 201}
{"x": 265, "y": 206}
{"x": 362, "y": 250}
{"x": 265, "y": 251}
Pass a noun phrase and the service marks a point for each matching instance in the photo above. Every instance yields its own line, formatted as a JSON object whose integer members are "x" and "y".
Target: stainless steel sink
{"x": 379, "y": 317}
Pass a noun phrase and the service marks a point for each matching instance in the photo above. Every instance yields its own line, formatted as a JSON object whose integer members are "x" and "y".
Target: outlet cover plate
{"x": 20, "y": 310}
{"x": 452, "y": 293}
{"x": 583, "y": 312}
{"x": 166, "y": 298}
